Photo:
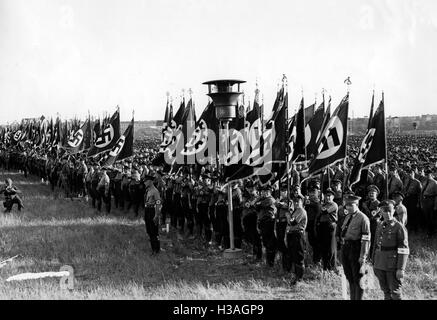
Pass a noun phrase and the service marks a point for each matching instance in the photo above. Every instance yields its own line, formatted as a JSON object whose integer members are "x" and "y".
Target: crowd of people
{"x": 323, "y": 217}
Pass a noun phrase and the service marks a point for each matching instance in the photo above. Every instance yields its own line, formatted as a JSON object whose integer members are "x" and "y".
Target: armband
{"x": 157, "y": 202}
{"x": 365, "y": 237}
{"x": 403, "y": 251}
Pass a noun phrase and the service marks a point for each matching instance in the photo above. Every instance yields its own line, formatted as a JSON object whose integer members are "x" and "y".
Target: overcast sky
{"x": 73, "y": 56}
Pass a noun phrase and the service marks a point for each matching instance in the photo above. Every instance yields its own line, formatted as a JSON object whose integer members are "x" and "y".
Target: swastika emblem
{"x": 76, "y": 139}
{"x": 118, "y": 147}
{"x": 332, "y": 139}
{"x": 366, "y": 144}
{"x": 106, "y": 137}
{"x": 17, "y": 135}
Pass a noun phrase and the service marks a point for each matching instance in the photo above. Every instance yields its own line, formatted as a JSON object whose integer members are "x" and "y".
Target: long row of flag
{"x": 267, "y": 149}
{"x": 91, "y": 138}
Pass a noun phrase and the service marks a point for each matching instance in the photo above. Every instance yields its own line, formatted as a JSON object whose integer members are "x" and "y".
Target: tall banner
{"x": 123, "y": 148}
{"x": 332, "y": 144}
{"x": 108, "y": 137}
{"x": 78, "y": 140}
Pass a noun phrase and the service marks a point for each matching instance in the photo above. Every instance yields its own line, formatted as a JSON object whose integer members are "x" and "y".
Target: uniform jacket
{"x": 266, "y": 208}
{"x": 391, "y": 246}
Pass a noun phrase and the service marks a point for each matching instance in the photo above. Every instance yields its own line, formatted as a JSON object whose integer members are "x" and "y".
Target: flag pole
{"x": 287, "y": 149}
{"x": 386, "y": 159}
{"x": 348, "y": 83}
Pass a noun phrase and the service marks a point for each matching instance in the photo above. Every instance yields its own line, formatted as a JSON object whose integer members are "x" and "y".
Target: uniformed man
{"x": 313, "y": 208}
{"x": 177, "y": 209}
{"x": 370, "y": 209}
{"x": 391, "y": 252}
{"x": 283, "y": 207}
{"x": 355, "y": 236}
{"x": 116, "y": 187}
{"x": 379, "y": 181}
{"x": 103, "y": 190}
{"x": 95, "y": 196}
{"x": 237, "y": 209}
{"x": 412, "y": 192}
{"x": 125, "y": 181}
{"x": 202, "y": 207}
{"x": 221, "y": 226}
{"x": 186, "y": 204}
{"x": 400, "y": 210}
{"x": 11, "y": 196}
{"x": 249, "y": 219}
{"x": 295, "y": 236}
{"x": 152, "y": 214}
{"x": 338, "y": 192}
{"x": 266, "y": 211}
{"x": 394, "y": 181}
{"x": 326, "y": 224}
{"x": 429, "y": 202}
{"x": 134, "y": 190}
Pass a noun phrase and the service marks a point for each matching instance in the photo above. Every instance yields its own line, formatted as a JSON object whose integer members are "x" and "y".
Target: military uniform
{"x": 266, "y": 211}
{"x": 391, "y": 253}
{"x": 116, "y": 188}
{"x": 295, "y": 239}
{"x": 355, "y": 236}
{"x": 186, "y": 206}
{"x": 152, "y": 203}
{"x": 412, "y": 192}
{"x": 326, "y": 224}
{"x": 237, "y": 210}
{"x": 221, "y": 226}
{"x": 313, "y": 209}
{"x": 204, "y": 221}
{"x": 135, "y": 192}
{"x": 394, "y": 184}
{"x": 282, "y": 209}
{"x": 370, "y": 209}
{"x": 177, "y": 209}
{"x": 429, "y": 204}
{"x": 95, "y": 196}
{"x": 11, "y": 197}
{"x": 249, "y": 220}
{"x": 103, "y": 188}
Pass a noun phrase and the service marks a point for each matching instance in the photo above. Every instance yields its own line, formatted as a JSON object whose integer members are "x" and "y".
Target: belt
{"x": 150, "y": 206}
{"x": 297, "y": 231}
{"x": 429, "y": 197}
{"x": 383, "y": 248}
{"x": 352, "y": 241}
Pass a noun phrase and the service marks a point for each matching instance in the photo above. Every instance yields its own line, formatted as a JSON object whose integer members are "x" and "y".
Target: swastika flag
{"x": 108, "y": 137}
{"x": 332, "y": 145}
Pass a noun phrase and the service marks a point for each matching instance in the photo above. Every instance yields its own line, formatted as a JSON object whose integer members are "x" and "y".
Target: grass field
{"x": 111, "y": 258}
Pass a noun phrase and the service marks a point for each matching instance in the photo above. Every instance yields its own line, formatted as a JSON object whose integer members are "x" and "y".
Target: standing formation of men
{"x": 321, "y": 222}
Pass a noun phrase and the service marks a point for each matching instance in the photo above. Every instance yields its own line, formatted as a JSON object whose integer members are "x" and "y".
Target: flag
{"x": 76, "y": 142}
{"x": 312, "y": 130}
{"x": 275, "y": 141}
{"x": 309, "y": 113}
{"x": 326, "y": 118}
{"x": 96, "y": 129}
{"x": 109, "y": 136}
{"x": 235, "y": 159}
{"x": 357, "y": 171}
{"x": 203, "y": 142}
{"x": 299, "y": 145}
{"x": 123, "y": 148}
{"x": 332, "y": 143}
{"x": 172, "y": 135}
{"x": 167, "y": 119}
{"x": 373, "y": 146}
{"x": 377, "y": 149}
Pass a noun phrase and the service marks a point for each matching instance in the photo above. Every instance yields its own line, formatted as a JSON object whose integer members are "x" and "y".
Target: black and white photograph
{"x": 236, "y": 152}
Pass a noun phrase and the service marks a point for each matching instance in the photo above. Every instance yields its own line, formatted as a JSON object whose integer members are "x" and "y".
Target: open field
{"x": 111, "y": 258}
